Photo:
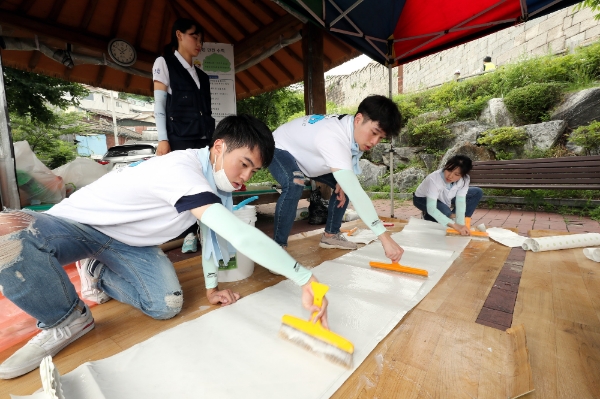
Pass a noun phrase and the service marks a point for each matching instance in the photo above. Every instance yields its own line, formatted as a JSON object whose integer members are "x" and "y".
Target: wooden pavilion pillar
{"x": 9, "y": 192}
{"x": 314, "y": 78}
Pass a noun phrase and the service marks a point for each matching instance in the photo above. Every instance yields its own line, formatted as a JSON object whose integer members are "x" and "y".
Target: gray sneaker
{"x": 48, "y": 343}
{"x": 336, "y": 241}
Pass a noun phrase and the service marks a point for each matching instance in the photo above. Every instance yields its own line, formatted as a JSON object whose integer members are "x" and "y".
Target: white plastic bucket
{"x": 241, "y": 267}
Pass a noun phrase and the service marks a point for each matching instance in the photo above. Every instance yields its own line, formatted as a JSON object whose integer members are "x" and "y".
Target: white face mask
{"x": 220, "y": 177}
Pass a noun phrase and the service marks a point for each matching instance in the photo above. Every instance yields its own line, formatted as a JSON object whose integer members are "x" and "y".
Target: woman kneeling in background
{"x": 445, "y": 195}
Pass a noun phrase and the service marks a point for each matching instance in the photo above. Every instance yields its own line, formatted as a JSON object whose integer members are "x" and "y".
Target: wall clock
{"x": 122, "y": 52}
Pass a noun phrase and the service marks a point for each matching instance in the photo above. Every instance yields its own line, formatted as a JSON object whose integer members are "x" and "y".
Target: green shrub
{"x": 431, "y": 135}
{"x": 554, "y": 152}
{"x": 408, "y": 109}
{"x": 534, "y": 70}
{"x": 588, "y": 59}
{"x": 468, "y": 109}
{"x": 595, "y": 214}
{"x": 530, "y": 103}
{"x": 503, "y": 138}
{"x": 587, "y": 137}
{"x": 261, "y": 176}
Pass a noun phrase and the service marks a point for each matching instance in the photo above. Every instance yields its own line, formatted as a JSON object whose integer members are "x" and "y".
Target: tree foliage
{"x": 587, "y": 137}
{"x": 503, "y": 138}
{"x": 594, "y": 5}
{"x": 531, "y": 103}
{"x": 44, "y": 138}
{"x": 273, "y": 108}
{"x": 29, "y": 95}
{"x": 139, "y": 97}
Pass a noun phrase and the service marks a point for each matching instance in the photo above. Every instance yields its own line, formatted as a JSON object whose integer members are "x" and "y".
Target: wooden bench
{"x": 567, "y": 173}
{"x": 266, "y": 195}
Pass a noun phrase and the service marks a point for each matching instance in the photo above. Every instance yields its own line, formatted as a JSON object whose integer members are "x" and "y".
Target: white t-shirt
{"x": 160, "y": 71}
{"x": 434, "y": 186}
{"x": 135, "y": 204}
{"x": 318, "y": 142}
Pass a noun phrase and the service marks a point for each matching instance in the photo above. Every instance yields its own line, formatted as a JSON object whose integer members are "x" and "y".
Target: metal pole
{"x": 390, "y": 81}
{"x": 9, "y": 191}
{"x": 112, "y": 104}
{"x": 391, "y": 152}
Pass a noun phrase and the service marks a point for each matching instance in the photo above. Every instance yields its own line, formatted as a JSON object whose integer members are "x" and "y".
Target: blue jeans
{"x": 34, "y": 247}
{"x": 473, "y": 197}
{"x": 286, "y": 171}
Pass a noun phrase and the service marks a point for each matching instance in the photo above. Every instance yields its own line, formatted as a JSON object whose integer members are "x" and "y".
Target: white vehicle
{"x": 120, "y": 156}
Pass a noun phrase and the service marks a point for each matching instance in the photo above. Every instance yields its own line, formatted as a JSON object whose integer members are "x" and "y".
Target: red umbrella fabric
{"x": 394, "y": 32}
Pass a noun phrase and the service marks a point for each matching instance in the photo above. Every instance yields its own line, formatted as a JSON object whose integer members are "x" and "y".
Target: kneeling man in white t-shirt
{"x": 118, "y": 222}
{"x": 327, "y": 149}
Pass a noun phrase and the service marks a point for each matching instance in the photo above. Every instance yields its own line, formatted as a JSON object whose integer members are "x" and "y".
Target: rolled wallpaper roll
{"x": 592, "y": 253}
{"x": 562, "y": 242}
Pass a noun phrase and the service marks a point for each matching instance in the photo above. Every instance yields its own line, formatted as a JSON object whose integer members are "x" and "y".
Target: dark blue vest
{"x": 189, "y": 115}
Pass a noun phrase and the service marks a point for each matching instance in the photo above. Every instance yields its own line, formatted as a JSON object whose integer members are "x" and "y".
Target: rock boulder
{"x": 429, "y": 160}
{"x": 465, "y": 131}
{"x": 496, "y": 114}
{"x": 402, "y": 155}
{"x": 370, "y": 173}
{"x": 379, "y": 151}
{"x": 472, "y": 151}
{"x": 579, "y": 109}
{"x": 544, "y": 135}
{"x": 408, "y": 178}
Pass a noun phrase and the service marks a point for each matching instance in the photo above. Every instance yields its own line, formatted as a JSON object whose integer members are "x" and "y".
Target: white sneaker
{"x": 48, "y": 343}
{"x": 190, "y": 243}
{"x": 89, "y": 269}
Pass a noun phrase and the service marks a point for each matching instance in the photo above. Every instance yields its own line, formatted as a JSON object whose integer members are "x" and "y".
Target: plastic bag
{"x": 37, "y": 184}
{"x": 317, "y": 208}
{"x": 16, "y": 326}
{"x": 350, "y": 215}
{"x": 79, "y": 173}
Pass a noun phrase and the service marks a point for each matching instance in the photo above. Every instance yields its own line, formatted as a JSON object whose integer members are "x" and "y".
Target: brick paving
{"x": 498, "y": 308}
{"x": 522, "y": 220}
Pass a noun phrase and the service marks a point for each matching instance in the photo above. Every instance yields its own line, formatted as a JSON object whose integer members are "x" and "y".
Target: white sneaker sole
{"x": 330, "y": 246}
{"x": 96, "y": 298}
{"x": 35, "y": 363}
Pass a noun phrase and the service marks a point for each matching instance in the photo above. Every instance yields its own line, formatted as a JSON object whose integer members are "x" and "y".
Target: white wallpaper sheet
{"x": 562, "y": 242}
{"x": 235, "y": 351}
{"x": 592, "y": 253}
{"x": 506, "y": 237}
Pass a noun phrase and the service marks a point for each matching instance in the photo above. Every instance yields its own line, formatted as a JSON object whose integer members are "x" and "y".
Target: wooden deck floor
{"x": 437, "y": 350}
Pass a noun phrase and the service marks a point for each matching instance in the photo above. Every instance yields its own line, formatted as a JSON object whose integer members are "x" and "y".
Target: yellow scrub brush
{"x": 316, "y": 338}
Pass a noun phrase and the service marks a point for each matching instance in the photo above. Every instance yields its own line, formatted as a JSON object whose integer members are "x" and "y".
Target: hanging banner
{"x": 216, "y": 59}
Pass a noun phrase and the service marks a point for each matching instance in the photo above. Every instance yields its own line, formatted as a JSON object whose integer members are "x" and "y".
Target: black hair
{"x": 459, "y": 161}
{"x": 487, "y": 59}
{"x": 246, "y": 131}
{"x": 382, "y": 110}
{"x": 182, "y": 25}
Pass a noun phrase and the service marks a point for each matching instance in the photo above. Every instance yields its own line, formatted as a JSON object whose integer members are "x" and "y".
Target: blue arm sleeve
{"x": 253, "y": 243}
{"x": 160, "y": 113}
{"x": 435, "y": 213}
{"x": 461, "y": 207}
{"x": 361, "y": 201}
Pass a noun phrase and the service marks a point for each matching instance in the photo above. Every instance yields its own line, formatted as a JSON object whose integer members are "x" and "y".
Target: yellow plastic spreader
{"x": 314, "y": 337}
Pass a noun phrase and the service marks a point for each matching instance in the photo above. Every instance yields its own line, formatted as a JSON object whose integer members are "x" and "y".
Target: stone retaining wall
{"x": 350, "y": 90}
{"x": 550, "y": 34}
